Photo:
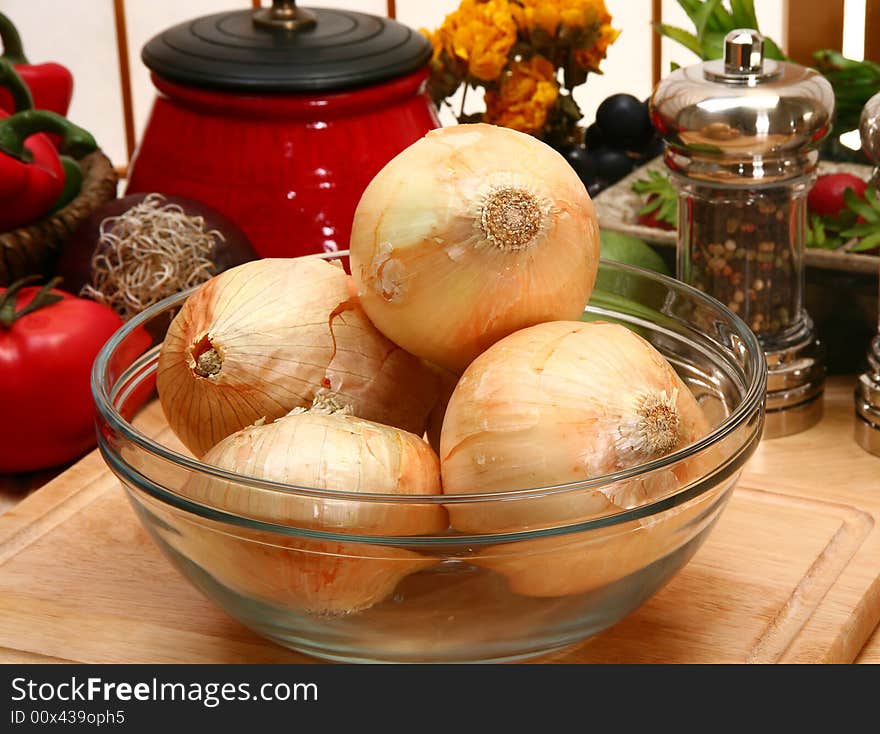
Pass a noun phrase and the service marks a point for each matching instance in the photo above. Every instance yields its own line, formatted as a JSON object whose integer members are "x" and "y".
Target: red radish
{"x": 650, "y": 219}
{"x": 826, "y": 196}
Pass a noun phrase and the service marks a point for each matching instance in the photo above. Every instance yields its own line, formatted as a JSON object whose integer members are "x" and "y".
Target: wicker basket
{"x": 34, "y": 249}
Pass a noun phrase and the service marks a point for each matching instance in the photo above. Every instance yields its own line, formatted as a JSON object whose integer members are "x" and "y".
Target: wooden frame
{"x": 815, "y": 24}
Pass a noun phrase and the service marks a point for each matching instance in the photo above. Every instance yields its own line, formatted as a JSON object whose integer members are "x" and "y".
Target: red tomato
{"x": 826, "y": 196}
{"x": 46, "y": 408}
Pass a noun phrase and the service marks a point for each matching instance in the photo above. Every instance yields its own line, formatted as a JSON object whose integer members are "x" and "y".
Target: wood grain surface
{"x": 791, "y": 573}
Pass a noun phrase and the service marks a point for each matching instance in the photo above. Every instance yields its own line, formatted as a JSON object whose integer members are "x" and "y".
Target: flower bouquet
{"x": 515, "y": 50}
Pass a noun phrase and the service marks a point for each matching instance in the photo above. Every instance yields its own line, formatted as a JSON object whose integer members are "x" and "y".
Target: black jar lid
{"x": 336, "y": 49}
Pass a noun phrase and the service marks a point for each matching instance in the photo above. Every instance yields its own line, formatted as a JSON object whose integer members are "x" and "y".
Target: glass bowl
{"x": 351, "y": 594}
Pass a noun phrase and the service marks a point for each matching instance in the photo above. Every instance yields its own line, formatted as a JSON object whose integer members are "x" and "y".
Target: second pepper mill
{"x": 742, "y": 135}
{"x": 867, "y": 397}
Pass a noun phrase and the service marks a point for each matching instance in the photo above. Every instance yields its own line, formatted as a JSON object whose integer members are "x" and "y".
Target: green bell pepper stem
{"x": 72, "y": 183}
{"x": 11, "y": 80}
{"x": 12, "y": 48}
{"x": 19, "y": 127}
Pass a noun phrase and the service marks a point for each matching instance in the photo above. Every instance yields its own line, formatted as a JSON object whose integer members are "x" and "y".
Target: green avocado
{"x": 624, "y": 248}
{"x": 625, "y": 293}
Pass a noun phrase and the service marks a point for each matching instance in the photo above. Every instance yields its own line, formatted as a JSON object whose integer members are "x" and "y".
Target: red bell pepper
{"x": 13, "y": 86}
{"x": 50, "y": 84}
{"x": 31, "y": 174}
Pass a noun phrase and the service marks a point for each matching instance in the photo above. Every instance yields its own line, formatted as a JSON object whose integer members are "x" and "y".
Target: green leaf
{"x": 860, "y": 206}
{"x": 868, "y": 243}
{"x": 679, "y": 35}
{"x": 656, "y": 183}
{"x": 713, "y": 45}
{"x": 815, "y": 232}
{"x": 703, "y": 16}
{"x": 722, "y": 21}
{"x": 743, "y": 13}
{"x": 817, "y": 236}
{"x": 695, "y": 10}
{"x": 860, "y": 230}
{"x": 830, "y": 60}
{"x": 666, "y": 201}
{"x": 669, "y": 212}
{"x": 772, "y": 51}
{"x": 692, "y": 8}
{"x": 651, "y": 206}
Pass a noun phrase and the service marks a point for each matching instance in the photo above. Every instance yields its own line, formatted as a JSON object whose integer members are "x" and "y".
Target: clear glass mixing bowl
{"x": 353, "y": 595}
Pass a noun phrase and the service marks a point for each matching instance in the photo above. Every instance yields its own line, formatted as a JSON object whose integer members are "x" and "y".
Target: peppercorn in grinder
{"x": 742, "y": 134}
{"x": 867, "y": 425}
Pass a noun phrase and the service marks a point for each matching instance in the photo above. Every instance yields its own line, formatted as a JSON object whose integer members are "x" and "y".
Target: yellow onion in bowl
{"x": 322, "y": 448}
{"x": 579, "y": 562}
{"x": 265, "y": 337}
{"x": 563, "y": 402}
{"x": 471, "y": 233}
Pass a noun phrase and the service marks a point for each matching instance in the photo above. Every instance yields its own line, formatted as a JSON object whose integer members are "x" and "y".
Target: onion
{"x": 322, "y": 448}
{"x": 316, "y": 577}
{"x": 563, "y": 402}
{"x": 263, "y": 338}
{"x": 376, "y": 378}
{"x": 581, "y": 562}
{"x": 469, "y": 234}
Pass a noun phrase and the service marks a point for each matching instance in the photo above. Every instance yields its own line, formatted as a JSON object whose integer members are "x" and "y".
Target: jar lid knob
{"x": 284, "y": 15}
{"x": 743, "y": 52}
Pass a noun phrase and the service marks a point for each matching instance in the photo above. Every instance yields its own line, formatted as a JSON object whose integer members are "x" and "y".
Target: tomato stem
{"x": 44, "y": 297}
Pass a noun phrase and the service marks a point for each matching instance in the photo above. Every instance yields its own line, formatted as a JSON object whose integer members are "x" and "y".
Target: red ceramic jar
{"x": 283, "y": 137}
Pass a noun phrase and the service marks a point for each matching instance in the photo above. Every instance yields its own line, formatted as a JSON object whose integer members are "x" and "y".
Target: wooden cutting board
{"x": 791, "y": 573}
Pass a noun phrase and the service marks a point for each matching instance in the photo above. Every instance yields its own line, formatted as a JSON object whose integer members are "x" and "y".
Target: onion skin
{"x": 331, "y": 452}
{"x": 552, "y": 404}
{"x": 428, "y": 251}
{"x": 259, "y": 378}
{"x": 318, "y": 578}
{"x": 283, "y": 330}
{"x": 402, "y": 391}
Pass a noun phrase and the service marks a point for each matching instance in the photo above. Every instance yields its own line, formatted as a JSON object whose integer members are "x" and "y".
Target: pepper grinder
{"x": 867, "y": 398}
{"x": 742, "y": 138}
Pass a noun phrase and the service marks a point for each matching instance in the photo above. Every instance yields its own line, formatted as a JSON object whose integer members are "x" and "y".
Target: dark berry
{"x": 653, "y": 149}
{"x": 596, "y": 186}
{"x": 581, "y": 161}
{"x": 593, "y": 137}
{"x": 625, "y": 122}
{"x": 612, "y": 165}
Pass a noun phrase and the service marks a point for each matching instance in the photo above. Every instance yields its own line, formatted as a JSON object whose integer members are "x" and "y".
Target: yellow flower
{"x": 531, "y": 14}
{"x": 524, "y": 96}
{"x": 549, "y": 14}
{"x": 480, "y": 34}
{"x": 589, "y": 58}
{"x": 437, "y": 41}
